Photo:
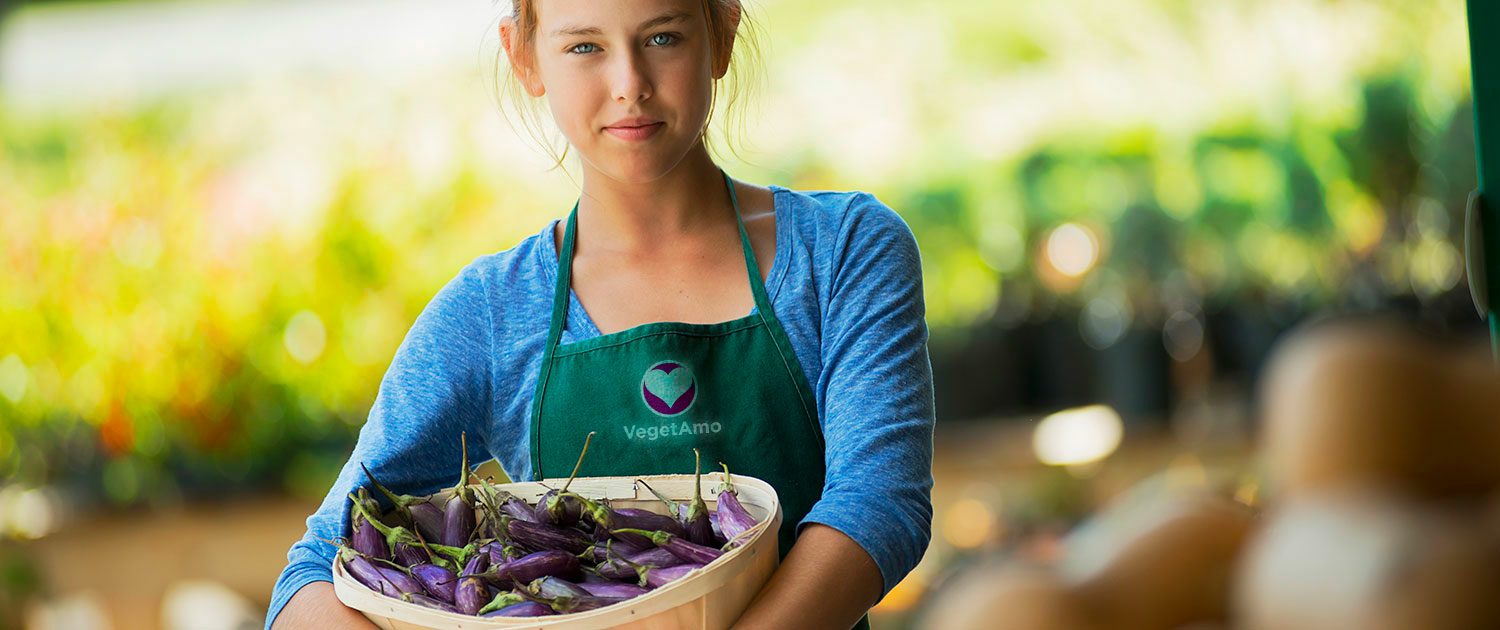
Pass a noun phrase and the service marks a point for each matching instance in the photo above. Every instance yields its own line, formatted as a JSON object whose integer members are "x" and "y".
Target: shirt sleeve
{"x": 438, "y": 385}
{"x": 876, "y": 393}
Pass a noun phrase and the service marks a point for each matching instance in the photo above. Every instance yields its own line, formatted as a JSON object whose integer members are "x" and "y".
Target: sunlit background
{"x": 219, "y": 218}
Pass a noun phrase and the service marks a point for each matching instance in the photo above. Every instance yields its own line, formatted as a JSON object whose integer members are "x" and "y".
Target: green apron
{"x": 654, "y": 392}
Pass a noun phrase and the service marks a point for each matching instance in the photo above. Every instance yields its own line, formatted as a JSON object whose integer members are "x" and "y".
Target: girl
{"x": 630, "y": 319}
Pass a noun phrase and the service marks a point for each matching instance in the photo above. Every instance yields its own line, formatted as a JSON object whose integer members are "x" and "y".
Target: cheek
{"x": 688, "y": 87}
{"x": 572, "y": 98}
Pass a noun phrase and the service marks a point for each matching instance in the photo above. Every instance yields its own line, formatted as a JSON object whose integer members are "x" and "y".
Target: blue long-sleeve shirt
{"x": 846, "y": 284}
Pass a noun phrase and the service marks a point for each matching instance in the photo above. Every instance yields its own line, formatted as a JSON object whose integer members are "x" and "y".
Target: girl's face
{"x": 629, "y": 82}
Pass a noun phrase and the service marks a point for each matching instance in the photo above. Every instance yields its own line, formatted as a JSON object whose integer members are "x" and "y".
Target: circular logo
{"x": 668, "y": 388}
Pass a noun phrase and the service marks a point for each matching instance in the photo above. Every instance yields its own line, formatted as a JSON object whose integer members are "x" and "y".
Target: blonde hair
{"x": 741, "y": 77}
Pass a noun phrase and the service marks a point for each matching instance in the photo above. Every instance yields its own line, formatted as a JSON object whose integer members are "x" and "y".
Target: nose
{"x": 631, "y": 78}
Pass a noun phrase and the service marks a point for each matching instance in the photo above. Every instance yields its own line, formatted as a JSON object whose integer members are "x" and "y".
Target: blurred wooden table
{"x": 127, "y": 560}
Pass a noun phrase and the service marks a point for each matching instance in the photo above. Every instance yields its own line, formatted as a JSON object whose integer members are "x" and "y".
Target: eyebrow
{"x": 594, "y": 31}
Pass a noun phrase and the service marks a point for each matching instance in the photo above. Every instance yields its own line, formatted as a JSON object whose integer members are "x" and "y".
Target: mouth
{"x": 634, "y": 132}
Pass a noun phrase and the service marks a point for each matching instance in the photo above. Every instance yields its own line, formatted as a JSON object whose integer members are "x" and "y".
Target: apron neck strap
{"x": 757, "y": 286}
{"x": 565, "y": 267}
{"x": 564, "y": 280}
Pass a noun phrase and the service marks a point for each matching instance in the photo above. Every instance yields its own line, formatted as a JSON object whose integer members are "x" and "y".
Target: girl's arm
{"x": 827, "y": 581}
{"x": 438, "y": 386}
{"x": 315, "y": 606}
{"x": 873, "y": 521}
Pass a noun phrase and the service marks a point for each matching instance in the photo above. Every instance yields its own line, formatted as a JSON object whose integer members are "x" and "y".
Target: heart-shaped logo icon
{"x": 668, "y": 388}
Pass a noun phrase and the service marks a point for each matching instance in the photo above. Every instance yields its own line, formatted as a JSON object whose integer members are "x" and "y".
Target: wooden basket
{"x": 710, "y": 598}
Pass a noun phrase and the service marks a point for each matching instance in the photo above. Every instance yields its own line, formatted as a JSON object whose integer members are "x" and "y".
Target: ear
{"x": 733, "y": 10}
{"x": 522, "y": 62}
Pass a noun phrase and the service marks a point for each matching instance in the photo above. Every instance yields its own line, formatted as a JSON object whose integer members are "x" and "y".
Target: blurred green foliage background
{"x": 201, "y": 285}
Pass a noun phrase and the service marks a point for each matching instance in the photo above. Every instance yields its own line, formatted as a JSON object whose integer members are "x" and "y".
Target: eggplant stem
{"x": 397, "y": 501}
{"x": 492, "y": 510}
{"x": 579, "y": 464}
{"x": 392, "y": 564}
{"x": 463, "y": 476}
{"x": 728, "y": 484}
{"x": 697, "y": 508}
{"x": 657, "y": 537}
{"x": 671, "y": 505}
{"x": 359, "y": 506}
{"x": 697, "y": 476}
{"x": 502, "y": 600}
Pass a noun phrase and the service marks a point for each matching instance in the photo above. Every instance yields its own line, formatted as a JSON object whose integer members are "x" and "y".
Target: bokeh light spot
{"x": 1072, "y": 249}
{"x": 305, "y": 337}
{"x": 1078, "y": 436}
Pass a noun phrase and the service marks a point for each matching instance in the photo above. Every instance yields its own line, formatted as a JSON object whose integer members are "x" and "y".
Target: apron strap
{"x": 564, "y": 281}
{"x": 757, "y": 286}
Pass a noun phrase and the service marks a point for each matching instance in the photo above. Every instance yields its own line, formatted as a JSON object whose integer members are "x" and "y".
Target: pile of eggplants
{"x": 485, "y": 552}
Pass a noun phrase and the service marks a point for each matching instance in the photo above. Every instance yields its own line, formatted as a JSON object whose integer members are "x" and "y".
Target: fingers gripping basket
{"x": 710, "y": 598}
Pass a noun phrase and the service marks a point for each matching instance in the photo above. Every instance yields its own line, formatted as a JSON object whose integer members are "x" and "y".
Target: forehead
{"x": 559, "y": 17}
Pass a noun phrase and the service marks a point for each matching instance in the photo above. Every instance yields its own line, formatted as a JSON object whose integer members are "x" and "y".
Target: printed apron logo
{"x": 668, "y": 388}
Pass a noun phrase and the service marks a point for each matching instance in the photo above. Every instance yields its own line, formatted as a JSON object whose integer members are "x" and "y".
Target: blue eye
{"x": 575, "y": 50}
{"x": 663, "y": 39}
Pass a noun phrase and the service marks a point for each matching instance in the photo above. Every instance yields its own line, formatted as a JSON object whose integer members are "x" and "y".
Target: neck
{"x": 624, "y": 216}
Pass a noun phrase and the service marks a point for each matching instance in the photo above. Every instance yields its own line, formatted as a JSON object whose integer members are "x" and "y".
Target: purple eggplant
{"x": 552, "y": 587}
{"x": 429, "y": 602}
{"x": 618, "y": 569}
{"x": 518, "y": 509}
{"x": 428, "y": 519}
{"x": 471, "y": 595}
{"x": 459, "y": 518}
{"x": 732, "y": 517}
{"x": 477, "y": 563}
{"x": 438, "y": 582}
{"x": 610, "y": 547}
{"x": 591, "y": 575}
{"x": 403, "y": 581}
{"x": 564, "y": 596}
{"x": 634, "y": 567}
{"x": 523, "y": 609}
{"x": 408, "y": 555}
{"x": 367, "y": 573}
{"x": 544, "y": 537}
{"x": 560, "y": 507}
{"x": 609, "y": 521}
{"x": 639, "y": 518}
{"x": 366, "y": 539}
{"x": 534, "y": 566}
{"x": 617, "y": 590}
{"x": 696, "y": 520}
{"x": 682, "y": 548}
{"x": 656, "y": 578}
{"x": 655, "y": 557}
{"x": 458, "y": 522}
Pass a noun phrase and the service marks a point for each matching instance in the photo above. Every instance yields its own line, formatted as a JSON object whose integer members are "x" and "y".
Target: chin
{"x": 634, "y": 167}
